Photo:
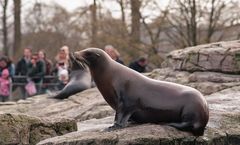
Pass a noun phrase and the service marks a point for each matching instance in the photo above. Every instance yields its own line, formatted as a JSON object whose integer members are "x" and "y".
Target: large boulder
{"x": 218, "y": 57}
{"x": 23, "y": 129}
{"x": 82, "y": 106}
{"x": 93, "y": 115}
{"x": 42, "y": 117}
{"x": 223, "y": 128}
{"x": 206, "y": 82}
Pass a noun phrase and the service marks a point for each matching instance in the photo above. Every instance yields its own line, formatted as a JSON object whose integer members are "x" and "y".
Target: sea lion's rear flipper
{"x": 184, "y": 126}
{"x": 188, "y": 126}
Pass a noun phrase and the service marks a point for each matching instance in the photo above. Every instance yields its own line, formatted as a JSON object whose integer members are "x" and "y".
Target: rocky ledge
{"x": 206, "y": 82}
{"x": 83, "y": 106}
{"x": 23, "y": 129}
{"x": 223, "y": 128}
{"x": 218, "y": 57}
{"x": 94, "y": 115}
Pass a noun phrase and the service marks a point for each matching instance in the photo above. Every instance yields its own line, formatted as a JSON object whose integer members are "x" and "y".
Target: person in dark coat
{"x": 23, "y": 63}
{"x": 37, "y": 71}
{"x": 22, "y": 70}
{"x": 139, "y": 65}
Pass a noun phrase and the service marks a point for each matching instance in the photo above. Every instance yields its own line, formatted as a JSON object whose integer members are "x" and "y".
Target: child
{"x": 4, "y": 85}
{"x": 63, "y": 78}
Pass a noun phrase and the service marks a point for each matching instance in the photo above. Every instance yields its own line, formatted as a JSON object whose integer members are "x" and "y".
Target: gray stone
{"x": 94, "y": 115}
{"x": 206, "y": 82}
{"x": 23, "y": 129}
{"x": 219, "y": 57}
{"x": 223, "y": 128}
{"x": 86, "y": 105}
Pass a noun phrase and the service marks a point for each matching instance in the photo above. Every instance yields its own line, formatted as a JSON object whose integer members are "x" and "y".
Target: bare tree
{"x": 156, "y": 26}
{"x": 4, "y": 4}
{"x": 216, "y": 11}
{"x": 94, "y": 22}
{"x": 135, "y": 19}
{"x": 17, "y": 27}
{"x": 184, "y": 21}
{"x": 123, "y": 4}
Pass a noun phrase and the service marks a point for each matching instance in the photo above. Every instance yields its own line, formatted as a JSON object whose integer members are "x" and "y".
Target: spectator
{"x": 62, "y": 65}
{"x": 4, "y": 85}
{"x": 62, "y": 60}
{"x": 22, "y": 69}
{"x": 48, "y": 66}
{"x": 63, "y": 56}
{"x": 139, "y": 65}
{"x": 48, "y": 63}
{"x": 66, "y": 50}
{"x": 36, "y": 71}
{"x": 113, "y": 53}
{"x": 63, "y": 79}
{"x": 6, "y": 63}
{"x": 23, "y": 63}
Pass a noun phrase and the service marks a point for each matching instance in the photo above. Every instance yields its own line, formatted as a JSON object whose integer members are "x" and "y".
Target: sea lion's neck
{"x": 100, "y": 71}
{"x": 103, "y": 78}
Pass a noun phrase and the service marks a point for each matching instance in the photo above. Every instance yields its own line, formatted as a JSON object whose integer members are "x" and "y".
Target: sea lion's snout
{"x": 79, "y": 56}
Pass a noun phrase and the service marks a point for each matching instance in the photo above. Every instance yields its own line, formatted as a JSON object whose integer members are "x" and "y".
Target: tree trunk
{"x": 124, "y": 32}
{"x": 121, "y": 3}
{"x": 193, "y": 22}
{"x": 135, "y": 26}
{"x": 5, "y": 29}
{"x": 94, "y": 24}
{"x": 17, "y": 27}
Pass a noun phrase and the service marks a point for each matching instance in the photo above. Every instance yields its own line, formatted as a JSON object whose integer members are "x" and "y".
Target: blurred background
{"x": 133, "y": 27}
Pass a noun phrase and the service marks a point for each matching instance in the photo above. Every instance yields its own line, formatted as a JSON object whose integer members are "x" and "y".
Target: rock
{"x": 23, "y": 129}
{"x": 83, "y": 106}
{"x": 94, "y": 115}
{"x": 86, "y": 105}
{"x": 206, "y": 82}
{"x": 218, "y": 57}
{"x": 223, "y": 128}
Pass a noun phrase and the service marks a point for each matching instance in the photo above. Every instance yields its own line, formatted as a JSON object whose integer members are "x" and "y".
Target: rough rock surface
{"x": 206, "y": 82}
{"x": 219, "y": 57}
{"x": 23, "y": 129}
{"x": 93, "y": 115}
{"x": 86, "y": 105}
{"x": 28, "y": 127}
{"x": 223, "y": 128}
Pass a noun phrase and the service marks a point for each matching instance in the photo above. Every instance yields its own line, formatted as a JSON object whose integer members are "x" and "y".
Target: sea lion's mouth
{"x": 79, "y": 60}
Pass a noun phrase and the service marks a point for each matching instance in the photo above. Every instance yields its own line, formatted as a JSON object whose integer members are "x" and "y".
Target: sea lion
{"x": 144, "y": 100}
{"x": 80, "y": 80}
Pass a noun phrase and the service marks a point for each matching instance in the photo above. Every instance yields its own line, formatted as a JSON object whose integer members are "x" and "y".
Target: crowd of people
{"x": 29, "y": 72}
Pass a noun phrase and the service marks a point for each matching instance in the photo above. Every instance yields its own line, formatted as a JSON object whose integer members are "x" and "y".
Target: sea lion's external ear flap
{"x": 97, "y": 54}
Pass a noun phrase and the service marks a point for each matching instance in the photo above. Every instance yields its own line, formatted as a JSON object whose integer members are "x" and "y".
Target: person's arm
{"x": 31, "y": 71}
{"x": 18, "y": 68}
{"x": 12, "y": 70}
{"x": 42, "y": 69}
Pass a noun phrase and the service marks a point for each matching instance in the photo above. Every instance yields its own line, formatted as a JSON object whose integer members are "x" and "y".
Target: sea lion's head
{"x": 75, "y": 64}
{"x": 91, "y": 56}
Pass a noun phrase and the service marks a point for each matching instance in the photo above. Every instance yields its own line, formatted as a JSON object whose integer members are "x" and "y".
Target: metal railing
{"x": 21, "y": 81}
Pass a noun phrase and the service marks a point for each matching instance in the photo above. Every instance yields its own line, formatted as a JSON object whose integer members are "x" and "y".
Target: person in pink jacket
{"x": 4, "y": 85}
